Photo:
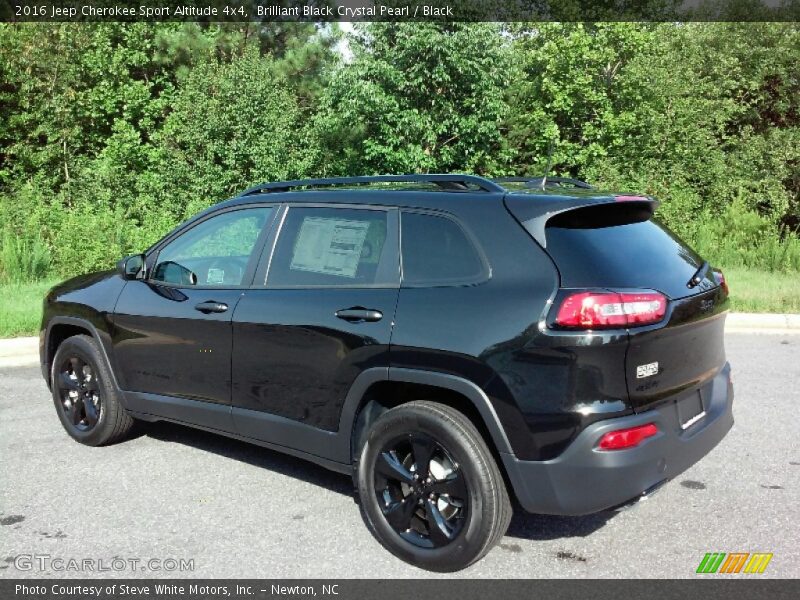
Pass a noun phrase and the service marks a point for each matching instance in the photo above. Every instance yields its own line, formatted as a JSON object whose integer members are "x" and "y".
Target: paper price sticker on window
{"x": 329, "y": 246}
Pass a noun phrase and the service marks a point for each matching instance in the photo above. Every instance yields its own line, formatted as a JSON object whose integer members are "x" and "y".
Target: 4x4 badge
{"x": 646, "y": 370}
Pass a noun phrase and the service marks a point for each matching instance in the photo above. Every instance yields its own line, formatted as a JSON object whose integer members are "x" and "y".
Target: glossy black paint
{"x": 85, "y": 301}
{"x": 278, "y": 367}
{"x": 294, "y": 358}
{"x": 545, "y": 386}
{"x": 689, "y": 348}
{"x": 165, "y": 345}
{"x": 583, "y": 480}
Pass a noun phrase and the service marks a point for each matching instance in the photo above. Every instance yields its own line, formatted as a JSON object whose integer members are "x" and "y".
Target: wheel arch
{"x": 399, "y": 386}
{"x": 60, "y": 329}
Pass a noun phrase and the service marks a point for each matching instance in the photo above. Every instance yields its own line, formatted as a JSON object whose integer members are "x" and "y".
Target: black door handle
{"x": 358, "y": 314}
{"x": 211, "y": 306}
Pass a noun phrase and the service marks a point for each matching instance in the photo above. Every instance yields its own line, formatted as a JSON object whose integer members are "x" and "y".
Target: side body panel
{"x": 86, "y": 301}
{"x": 165, "y": 346}
{"x": 292, "y": 357}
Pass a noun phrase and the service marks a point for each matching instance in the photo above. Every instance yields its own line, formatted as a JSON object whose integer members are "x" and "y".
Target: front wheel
{"x": 430, "y": 490}
{"x": 87, "y": 402}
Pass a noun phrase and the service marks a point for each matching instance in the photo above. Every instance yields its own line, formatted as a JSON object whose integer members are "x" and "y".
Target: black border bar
{"x": 56, "y": 11}
{"x": 708, "y": 587}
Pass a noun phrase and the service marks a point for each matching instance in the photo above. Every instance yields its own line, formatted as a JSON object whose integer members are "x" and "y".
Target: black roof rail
{"x": 455, "y": 183}
{"x": 537, "y": 181}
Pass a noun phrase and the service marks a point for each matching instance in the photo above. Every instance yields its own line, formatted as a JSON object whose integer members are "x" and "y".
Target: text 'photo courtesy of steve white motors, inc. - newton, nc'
{"x": 172, "y": 590}
{"x": 239, "y": 11}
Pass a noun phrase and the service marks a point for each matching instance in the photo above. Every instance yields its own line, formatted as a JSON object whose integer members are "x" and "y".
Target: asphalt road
{"x": 241, "y": 511}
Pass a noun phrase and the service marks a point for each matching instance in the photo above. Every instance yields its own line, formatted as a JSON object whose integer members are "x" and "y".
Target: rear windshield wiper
{"x": 698, "y": 276}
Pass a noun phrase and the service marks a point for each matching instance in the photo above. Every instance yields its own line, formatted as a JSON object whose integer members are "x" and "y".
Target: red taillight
{"x": 721, "y": 280}
{"x": 596, "y": 310}
{"x": 627, "y": 438}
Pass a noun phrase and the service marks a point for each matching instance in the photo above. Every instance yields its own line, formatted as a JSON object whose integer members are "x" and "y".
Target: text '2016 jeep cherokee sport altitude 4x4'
{"x": 446, "y": 339}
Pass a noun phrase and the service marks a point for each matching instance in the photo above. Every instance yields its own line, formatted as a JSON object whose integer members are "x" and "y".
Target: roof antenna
{"x": 549, "y": 163}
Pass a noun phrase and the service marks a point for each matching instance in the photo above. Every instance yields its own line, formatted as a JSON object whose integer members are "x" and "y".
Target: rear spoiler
{"x": 586, "y": 211}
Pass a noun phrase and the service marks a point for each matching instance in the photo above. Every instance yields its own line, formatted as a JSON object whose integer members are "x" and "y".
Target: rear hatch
{"x": 602, "y": 243}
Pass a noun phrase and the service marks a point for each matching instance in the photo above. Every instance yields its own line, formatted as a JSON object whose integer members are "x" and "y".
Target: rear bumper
{"x": 585, "y": 480}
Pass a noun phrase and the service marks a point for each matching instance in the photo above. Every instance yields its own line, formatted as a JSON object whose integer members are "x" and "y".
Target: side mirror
{"x": 174, "y": 273}
{"x": 131, "y": 266}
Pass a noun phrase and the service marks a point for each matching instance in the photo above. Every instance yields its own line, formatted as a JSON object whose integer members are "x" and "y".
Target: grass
{"x": 763, "y": 292}
{"x": 21, "y": 305}
{"x": 751, "y": 291}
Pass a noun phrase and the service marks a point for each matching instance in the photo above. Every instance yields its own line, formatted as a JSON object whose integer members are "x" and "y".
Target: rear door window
{"x": 437, "y": 251}
{"x": 336, "y": 247}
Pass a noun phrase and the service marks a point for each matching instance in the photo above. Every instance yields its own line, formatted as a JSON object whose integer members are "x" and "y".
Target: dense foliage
{"x": 111, "y": 134}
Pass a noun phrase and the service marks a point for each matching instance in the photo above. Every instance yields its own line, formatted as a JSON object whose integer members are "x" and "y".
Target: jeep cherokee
{"x": 450, "y": 341}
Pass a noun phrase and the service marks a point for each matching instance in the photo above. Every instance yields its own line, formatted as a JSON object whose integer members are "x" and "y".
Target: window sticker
{"x": 215, "y": 276}
{"x": 329, "y": 246}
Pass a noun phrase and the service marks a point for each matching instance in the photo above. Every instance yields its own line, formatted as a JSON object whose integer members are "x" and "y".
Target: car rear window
{"x": 619, "y": 248}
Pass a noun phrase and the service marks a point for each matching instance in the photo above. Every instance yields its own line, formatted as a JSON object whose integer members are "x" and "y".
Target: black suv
{"x": 448, "y": 340}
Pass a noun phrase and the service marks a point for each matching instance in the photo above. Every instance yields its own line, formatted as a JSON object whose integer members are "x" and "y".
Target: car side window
{"x": 336, "y": 247}
{"x": 436, "y": 251}
{"x": 215, "y": 252}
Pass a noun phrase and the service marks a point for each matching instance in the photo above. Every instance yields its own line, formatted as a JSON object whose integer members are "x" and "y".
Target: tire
{"x": 472, "y": 515}
{"x": 85, "y": 398}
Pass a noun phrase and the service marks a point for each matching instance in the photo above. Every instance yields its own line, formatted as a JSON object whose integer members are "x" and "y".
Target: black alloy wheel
{"x": 421, "y": 490}
{"x": 85, "y": 395}
{"x": 429, "y": 488}
{"x": 80, "y": 393}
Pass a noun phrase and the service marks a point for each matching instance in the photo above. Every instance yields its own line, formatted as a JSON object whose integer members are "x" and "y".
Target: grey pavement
{"x": 237, "y": 510}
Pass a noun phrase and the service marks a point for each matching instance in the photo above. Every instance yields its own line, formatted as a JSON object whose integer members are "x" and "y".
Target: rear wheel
{"x": 430, "y": 489}
{"x": 85, "y": 399}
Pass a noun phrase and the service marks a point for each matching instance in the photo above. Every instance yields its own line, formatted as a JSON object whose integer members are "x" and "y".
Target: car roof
{"x": 437, "y": 189}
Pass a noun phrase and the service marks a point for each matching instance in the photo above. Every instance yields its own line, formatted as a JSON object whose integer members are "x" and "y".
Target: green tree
{"x": 231, "y": 125}
{"x": 111, "y": 133}
{"x": 570, "y": 92}
{"x": 89, "y": 146}
{"x": 417, "y": 97}
{"x": 703, "y": 115}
